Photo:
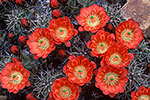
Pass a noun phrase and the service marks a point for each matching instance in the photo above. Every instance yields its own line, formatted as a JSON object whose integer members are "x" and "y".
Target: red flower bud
{"x": 23, "y": 39}
{"x": 110, "y": 1}
{"x": 14, "y": 49}
{"x": 110, "y": 27}
{"x": 54, "y": 4}
{"x": 68, "y": 44}
{"x": 3, "y": 1}
{"x": 11, "y": 35}
{"x": 30, "y": 97}
{"x": 63, "y": 1}
{"x": 62, "y": 53}
{"x": 28, "y": 84}
{"x": 19, "y": 2}
{"x": 56, "y": 13}
{"x": 148, "y": 67}
{"x": 24, "y": 22}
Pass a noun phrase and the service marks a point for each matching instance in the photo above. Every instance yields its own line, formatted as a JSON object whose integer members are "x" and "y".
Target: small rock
{"x": 138, "y": 10}
{"x": 3, "y": 97}
{"x": 147, "y": 33}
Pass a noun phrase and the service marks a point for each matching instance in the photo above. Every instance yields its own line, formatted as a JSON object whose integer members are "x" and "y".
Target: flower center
{"x": 111, "y": 78}
{"x": 65, "y": 92}
{"x": 102, "y": 47}
{"x": 16, "y": 78}
{"x": 41, "y": 41}
{"x": 115, "y": 59}
{"x": 44, "y": 43}
{"x": 144, "y": 97}
{"x": 61, "y": 32}
{"x": 92, "y": 17}
{"x": 80, "y": 72}
{"x": 93, "y": 21}
{"x": 127, "y": 35}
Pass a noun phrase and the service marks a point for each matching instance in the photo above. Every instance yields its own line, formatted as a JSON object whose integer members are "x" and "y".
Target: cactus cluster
{"x": 19, "y": 44}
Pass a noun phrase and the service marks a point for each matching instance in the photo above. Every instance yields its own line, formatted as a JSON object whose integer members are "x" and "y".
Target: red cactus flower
{"x": 30, "y": 97}
{"x": 41, "y": 43}
{"x": 62, "y": 30}
{"x": 24, "y": 22}
{"x": 15, "y": 60}
{"x": 92, "y": 18}
{"x": 14, "y": 49}
{"x": 142, "y": 94}
{"x": 100, "y": 42}
{"x": 54, "y": 3}
{"x": 62, "y": 89}
{"x": 63, "y": 1}
{"x": 116, "y": 56}
{"x": 129, "y": 34}
{"x": 79, "y": 70}
{"x": 14, "y": 77}
{"x": 56, "y": 13}
{"x": 23, "y": 39}
{"x": 11, "y": 35}
{"x": 111, "y": 80}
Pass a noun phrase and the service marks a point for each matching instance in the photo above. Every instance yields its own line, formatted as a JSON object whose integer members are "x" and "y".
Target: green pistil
{"x": 80, "y": 70}
{"x": 92, "y": 17}
{"x": 129, "y": 33}
{"x": 64, "y": 90}
{"x": 41, "y": 41}
{"x": 111, "y": 78}
{"x": 61, "y": 30}
{"x": 101, "y": 44}
{"x": 117, "y": 57}
{"x": 14, "y": 76}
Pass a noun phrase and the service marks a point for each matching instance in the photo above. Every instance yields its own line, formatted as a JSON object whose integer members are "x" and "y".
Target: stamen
{"x": 80, "y": 70}
{"x": 41, "y": 41}
{"x": 92, "y": 17}
{"x": 111, "y": 78}
{"x": 117, "y": 57}
{"x": 129, "y": 33}
{"x": 14, "y": 76}
{"x": 61, "y": 30}
{"x": 64, "y": 90}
